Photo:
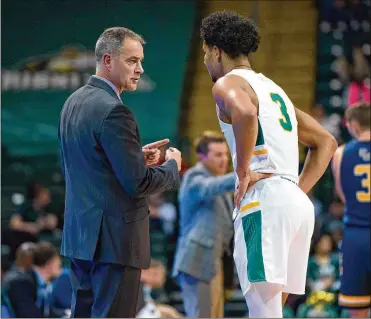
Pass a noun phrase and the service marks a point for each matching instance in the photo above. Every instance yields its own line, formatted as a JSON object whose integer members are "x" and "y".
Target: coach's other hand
{"x": 173, "y": 153}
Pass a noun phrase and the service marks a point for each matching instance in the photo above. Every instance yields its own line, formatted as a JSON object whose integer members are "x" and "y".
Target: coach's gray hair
{"x": 111, "y": 41}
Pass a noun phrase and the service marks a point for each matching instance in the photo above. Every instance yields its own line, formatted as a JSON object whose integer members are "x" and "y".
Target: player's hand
{"x": 173, "y": 153}
{"x": 152, "y": 153}
{"x": 241, "y": 190}
{"x": 256, "y": 177}
{"x": 245, "y": 183}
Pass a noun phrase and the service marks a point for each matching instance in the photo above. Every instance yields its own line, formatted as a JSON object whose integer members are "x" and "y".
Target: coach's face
{"x": 126, "y": 68}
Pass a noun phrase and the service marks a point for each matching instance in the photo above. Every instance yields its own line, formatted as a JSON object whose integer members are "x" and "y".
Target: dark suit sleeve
{"x": 21, "y": 295}
{"x": 60, "y": 151}
{"x": 119, "y": 137}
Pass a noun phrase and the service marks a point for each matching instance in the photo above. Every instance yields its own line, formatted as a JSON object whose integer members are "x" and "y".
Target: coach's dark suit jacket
{"x": 107, "y": 180}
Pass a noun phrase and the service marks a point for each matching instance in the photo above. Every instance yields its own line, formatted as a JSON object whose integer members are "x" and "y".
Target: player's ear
{"x": 218, "y": 53}
{"x": 357, "y": 128}
{"x": 200, "y": 157}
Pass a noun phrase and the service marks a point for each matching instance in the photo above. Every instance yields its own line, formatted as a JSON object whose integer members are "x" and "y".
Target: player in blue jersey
{"x": 351, "y": 167}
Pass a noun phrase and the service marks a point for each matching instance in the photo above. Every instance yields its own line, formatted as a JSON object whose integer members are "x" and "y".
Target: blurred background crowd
{"x": 318, "y": 51}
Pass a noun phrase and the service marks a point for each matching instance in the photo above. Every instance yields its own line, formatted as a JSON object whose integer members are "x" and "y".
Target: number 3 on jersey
{"x": 360, "y": 170}
{"x": 285, "y": 120}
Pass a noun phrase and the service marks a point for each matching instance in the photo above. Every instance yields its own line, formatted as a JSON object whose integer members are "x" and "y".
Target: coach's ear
{"x": 107, "y": 61}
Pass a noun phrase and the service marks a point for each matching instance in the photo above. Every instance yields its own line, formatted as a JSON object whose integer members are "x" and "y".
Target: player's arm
{"x": 336, "y": 162}
{"x": 244, "y": 117}
{"x": 322, "y": 146}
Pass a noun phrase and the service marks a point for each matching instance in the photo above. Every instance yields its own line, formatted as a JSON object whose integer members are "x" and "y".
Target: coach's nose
{"x": 139, "y": 68}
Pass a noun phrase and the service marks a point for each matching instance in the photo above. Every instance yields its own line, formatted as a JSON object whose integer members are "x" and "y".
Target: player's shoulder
{"x": 227, "y": 84}
{"x": 340, "y": 150}
{"x": 350, "y": 146}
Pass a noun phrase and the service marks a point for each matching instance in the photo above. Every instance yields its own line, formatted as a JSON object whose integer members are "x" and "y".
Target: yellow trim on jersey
{"x": 250, "y": 208}
{"x": 354, "y": 301}
{"x": 260, "y": 152}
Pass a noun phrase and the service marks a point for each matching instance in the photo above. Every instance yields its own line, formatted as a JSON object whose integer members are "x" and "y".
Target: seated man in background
{"x": 29, "y": 292}
{"x": 31, "y": 217}
{"x": 23, "y": 259}
{"x": 153, "y": 278}
{"x": 23, "y": 263}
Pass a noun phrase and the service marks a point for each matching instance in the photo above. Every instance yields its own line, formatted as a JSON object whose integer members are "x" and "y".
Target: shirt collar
{"x": 40, "y": 280}
{"x": 114, "y": 88}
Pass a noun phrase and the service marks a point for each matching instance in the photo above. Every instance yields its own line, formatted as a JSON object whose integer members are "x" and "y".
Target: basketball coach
{"x": 108, "y": 177}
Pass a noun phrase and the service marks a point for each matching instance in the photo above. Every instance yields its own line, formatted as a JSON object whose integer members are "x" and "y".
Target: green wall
{"x": 34, "y": 34}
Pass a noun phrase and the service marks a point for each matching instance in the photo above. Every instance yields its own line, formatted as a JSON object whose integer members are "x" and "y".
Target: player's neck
{"x": 364, "y": 136}
{"x": 237, "y": 64}
{"x": 105, "y": 76}
{"x": 322, "y": 257}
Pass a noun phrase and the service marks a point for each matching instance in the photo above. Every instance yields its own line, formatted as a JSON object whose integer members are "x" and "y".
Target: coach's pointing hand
{"x": 152, "y": 153}
{"x": 173, "y": 153}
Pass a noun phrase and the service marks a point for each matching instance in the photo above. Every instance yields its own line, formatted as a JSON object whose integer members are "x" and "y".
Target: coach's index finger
{"x": 157, "y": 144}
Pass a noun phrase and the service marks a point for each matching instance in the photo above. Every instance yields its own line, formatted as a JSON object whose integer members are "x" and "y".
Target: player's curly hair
{"x": 231, "y": 32}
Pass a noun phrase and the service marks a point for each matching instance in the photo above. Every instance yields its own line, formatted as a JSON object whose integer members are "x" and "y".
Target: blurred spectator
{"x": 153, "y": 278}
{"x": 319, "y": 304}
{"x": 29, "y": 292}
{"x": 336, "y": 229}
{"x": 62, "y": 294}
{"x": 31, "y": 217}
{"x": 354, "y": 66}
{"x": 318, "y": 206}
{"x": 164, "y": 210}
{"x": 335, "y": 213}
{"x": 336, "y": 13}
{"x": 23, "y": 258}
{"x": 6, "y": 308}
{"x": 323, "y": 266}
{"x": 23, "y": 263}
{"x": 157, "y": 234}
{"x": 354, "y": 71}
{"x": 357, "y": 78}
{"x": 358, "y": 92}
{"x": 330, "y": 122}
{"x": 5, "y": 260}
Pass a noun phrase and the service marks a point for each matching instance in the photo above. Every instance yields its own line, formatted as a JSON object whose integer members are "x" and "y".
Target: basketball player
{"x": 351, "y": 167}
{"x": 274, "y": 218}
